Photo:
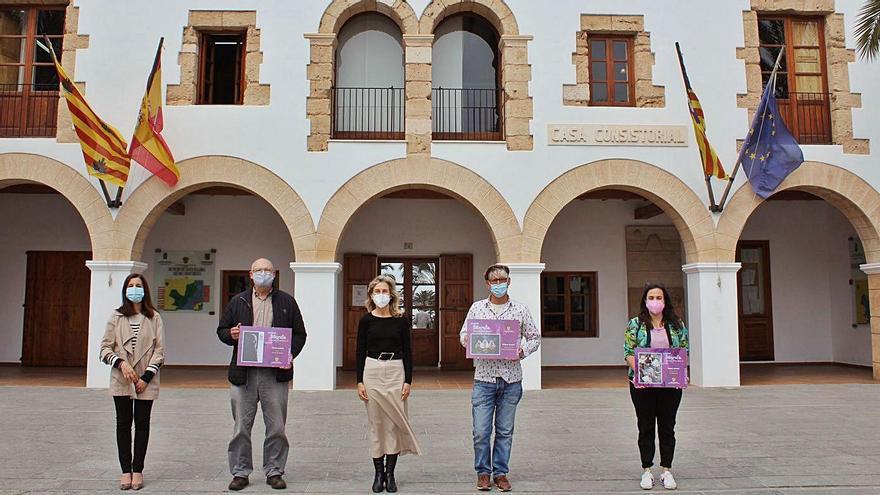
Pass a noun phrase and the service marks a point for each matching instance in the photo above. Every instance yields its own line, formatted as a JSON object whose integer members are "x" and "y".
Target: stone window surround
{"x": 418, "y": 39}
{"x": 647, "y": 94}
{"x": 218, "y": 21}
{"x": 837, "y": 56}
{"x": 64, "y": 132}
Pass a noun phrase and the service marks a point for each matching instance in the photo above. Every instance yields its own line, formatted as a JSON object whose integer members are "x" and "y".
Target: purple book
{"x": 267, "y": 347}
{"x": 493, "y": 339}
{"x": 663, "y": 368}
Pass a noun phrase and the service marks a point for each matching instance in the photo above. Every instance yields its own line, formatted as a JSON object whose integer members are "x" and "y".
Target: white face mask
{"x": 381, "y": 300}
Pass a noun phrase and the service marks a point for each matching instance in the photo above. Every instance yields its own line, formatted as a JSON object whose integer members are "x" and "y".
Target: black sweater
{"x": 285, "y": 314}
{"x": 377, "y": 335}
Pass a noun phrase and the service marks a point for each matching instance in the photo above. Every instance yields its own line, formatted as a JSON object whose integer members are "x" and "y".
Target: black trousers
{"x": 656, "y": 409}
{"x": 128, "y": 410}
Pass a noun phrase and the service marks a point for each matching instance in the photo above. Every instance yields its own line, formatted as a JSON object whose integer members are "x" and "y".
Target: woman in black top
{"x": 384, "y": 375}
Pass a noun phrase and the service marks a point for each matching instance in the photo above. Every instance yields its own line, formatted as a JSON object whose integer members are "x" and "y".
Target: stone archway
{"x": 688, "y": 213}
{"x": 435, "y": 174}
{"x": 494, "y": 11}
{"x": 857, "y": 200}
{"x": 340, "y": 11}
{"x": 141, "y": 211}
{"x": 16, "y": 168}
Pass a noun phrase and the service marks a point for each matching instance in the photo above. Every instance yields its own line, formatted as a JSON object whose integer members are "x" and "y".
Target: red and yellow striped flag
{"x": 147, "y": 146}
{"x": 104, "y": 149}
{"x": 711, "y": 162}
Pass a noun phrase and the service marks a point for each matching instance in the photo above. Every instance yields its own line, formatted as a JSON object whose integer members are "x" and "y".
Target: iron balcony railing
{"x": 368, "y": 113}
{"x": 466, "y": 114}
{"x": 28, "y": 110}
{"x": 807, "y": 116}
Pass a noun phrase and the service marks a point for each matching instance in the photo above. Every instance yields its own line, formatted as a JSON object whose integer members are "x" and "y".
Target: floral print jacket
{"x": 636, "y": 335}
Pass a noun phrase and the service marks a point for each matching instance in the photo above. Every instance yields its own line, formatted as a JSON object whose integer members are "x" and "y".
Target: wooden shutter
{"x": 456, "y": 296}
{"x": 357, "y": 269}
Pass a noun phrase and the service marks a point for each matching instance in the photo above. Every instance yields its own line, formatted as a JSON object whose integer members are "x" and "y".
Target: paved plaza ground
{"x": 786, "y": 439}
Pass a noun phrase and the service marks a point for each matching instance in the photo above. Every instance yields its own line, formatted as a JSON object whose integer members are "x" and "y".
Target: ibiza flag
{"x": 769, "y": 151}
{"x": 711, "y": 162}
{"x": 104, "y": 149}
{"x": 147, "y": 146}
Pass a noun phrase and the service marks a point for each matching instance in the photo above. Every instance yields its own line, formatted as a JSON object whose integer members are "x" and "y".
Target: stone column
{"x": 105, "y": 296}
{"x": 515, "y": 76}
{"x": 320, "y": 75}
{"x": 316, "y": 292}
{"x": 525, "y": 287}
{"x": 873, "y": 271}
{"x": 418, "y": 94}
{"x": 712, "y": 319}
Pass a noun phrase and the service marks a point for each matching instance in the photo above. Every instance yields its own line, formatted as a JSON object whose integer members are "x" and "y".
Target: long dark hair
{"x": 127, "y": 307}
{"x": 670, "y": 318}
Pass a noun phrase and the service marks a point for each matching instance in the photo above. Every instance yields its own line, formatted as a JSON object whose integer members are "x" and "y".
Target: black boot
{"x": 390, "y": 463}
{"x": 379, "y": 480}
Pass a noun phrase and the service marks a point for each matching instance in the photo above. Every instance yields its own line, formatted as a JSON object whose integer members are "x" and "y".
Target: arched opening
{"x": 404, "y": 232}
{"x": 368, "y": 92}
{"x": 466, "y": 96}
{"x": 599, "y": 251}
{"x": 199, "y": 249}
{"x": 803, "y": 301}
{"x": 44, "y": 301}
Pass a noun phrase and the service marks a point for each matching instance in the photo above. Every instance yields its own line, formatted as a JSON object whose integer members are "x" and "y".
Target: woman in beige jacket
{"x": 134, "y": 346}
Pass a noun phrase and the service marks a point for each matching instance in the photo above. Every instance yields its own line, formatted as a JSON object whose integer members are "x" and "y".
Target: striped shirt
{"x": 114, "y": 360}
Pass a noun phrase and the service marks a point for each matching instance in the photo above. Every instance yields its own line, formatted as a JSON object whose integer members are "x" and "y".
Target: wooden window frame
{"x": 408, "y": 262}
{"x": 225, "y": 293}
{"x": 791, "y": 76}
{"x": 609, "y": 72}
{"x": 29, "y": 38}
{"x": 594, "y": 301}
{"x": 205, "y": 95}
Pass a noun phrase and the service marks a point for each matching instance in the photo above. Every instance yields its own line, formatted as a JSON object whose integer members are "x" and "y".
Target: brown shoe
{"x": 483, "y": 483}
{"x": 276, "y": 482}
{"x": 238, "y": 483}
{"x": 502, "y": 483}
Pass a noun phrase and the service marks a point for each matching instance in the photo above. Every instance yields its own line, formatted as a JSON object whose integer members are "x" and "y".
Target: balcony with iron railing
{"x": 28, "y": 110}
{"x": 368, "y": 113}
{"x": 466, "y": 114}
{"x": 807, "y": 116}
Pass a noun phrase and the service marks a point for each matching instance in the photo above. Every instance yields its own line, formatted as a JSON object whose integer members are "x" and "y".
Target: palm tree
{"x": 868, "y": 30}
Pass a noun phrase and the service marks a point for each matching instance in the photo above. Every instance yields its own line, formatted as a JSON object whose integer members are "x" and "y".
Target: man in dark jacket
{"x": 262, "y": 307}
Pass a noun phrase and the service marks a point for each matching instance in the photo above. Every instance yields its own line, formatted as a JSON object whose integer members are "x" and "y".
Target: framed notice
{"x": 493, "y": 339}
{"x": 661, "y": 368}
{"x": 358, "y": 294}
{"x": 267, "y": 347}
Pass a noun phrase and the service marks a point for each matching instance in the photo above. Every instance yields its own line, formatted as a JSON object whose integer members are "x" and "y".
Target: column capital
{"x": 870, "y": 268}
{"x": 321, "y": 38}
{"x": 711, "y": 267}
{"x": 114, "y": 266}
{"x": 525, "y": 268}
{"x": 418, "y": 39}
{"x": 516, "y": 39}
{"x": 315, "y": 267}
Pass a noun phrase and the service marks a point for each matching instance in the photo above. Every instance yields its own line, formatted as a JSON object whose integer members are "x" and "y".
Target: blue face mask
{"x": 499, "y": 290}
{"x": 263, "y": 279}
{"x": 134, "y": 294}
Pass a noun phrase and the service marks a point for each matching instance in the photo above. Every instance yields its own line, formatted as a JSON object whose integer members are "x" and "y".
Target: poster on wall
{"x": 859, "y": 283}
{"x": 185, "y": 281}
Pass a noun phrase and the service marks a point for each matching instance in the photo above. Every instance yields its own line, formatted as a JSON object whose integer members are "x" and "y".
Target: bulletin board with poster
{"x": 859, "y": 283}
{"x": 185, "y": 281}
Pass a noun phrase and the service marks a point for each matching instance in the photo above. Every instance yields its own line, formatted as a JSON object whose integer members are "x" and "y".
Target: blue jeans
{"x": 494, "y": 403}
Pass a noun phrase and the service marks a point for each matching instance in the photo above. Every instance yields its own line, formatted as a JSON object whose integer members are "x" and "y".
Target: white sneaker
{"x": 647, "y": 480}
{"x": 668, "y": 481}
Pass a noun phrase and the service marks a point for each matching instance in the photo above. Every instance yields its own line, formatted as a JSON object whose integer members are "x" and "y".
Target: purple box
{"x": 267, "y": 347}
{"x": 663, "y": 368}
{"x": 493, "y": 339}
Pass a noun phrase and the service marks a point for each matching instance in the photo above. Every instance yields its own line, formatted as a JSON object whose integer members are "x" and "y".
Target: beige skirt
{"x": 390, "y": 432}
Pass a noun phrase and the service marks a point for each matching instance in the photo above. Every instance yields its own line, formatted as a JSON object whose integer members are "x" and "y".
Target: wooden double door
{"x": 56, "y": 309}
{"x": 436, "y": 294}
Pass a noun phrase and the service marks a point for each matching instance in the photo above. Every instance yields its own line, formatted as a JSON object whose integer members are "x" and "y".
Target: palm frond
{"x": 868, "y": 30}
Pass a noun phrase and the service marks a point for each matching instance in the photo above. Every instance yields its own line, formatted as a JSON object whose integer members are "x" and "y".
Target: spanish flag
{"x": 103, "y": 147}
{"x": 147, "y": 146}
{"x": 711, "y": 162}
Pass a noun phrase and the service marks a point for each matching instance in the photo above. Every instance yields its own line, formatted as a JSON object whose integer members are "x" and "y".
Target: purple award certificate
{"x": 493, "y": 339}
{"x": 663, "y": 368}
{"x": 267, "y": 347}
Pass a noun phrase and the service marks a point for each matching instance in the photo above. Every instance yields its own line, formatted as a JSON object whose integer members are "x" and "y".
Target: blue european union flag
{"x": 770, "y": 152}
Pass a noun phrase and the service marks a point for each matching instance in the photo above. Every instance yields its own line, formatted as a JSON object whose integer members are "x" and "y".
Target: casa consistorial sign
{"x": 617, "y": 135}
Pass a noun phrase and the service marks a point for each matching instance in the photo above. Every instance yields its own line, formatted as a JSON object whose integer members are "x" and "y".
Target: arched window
{"x": 465, "y": 77}
{"x": 368, "y": 92}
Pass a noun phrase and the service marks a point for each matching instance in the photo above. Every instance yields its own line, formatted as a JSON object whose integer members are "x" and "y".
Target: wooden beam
{"x": 650, "y": 210}
{"x": 178, "y": 208}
